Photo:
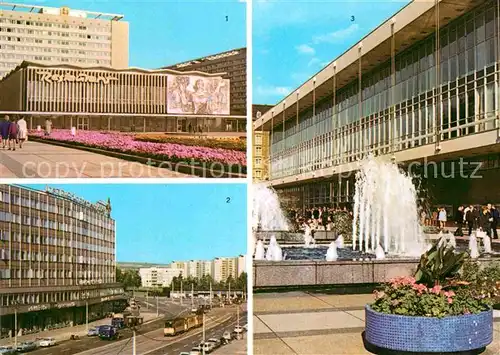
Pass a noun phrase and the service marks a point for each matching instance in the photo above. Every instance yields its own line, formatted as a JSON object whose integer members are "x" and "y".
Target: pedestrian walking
{"x": 13, "y": 131}
{"x": 442, "y": 218}
{"x": 460, "y": 221}
{"x": 485, "y": 221}
{"x": 470, "y": 219}
{"x": 48, "y": 127}
{"x": 495, "y": 214}
{"x": 4, "y": 131}
{"x": 23, "y": 131}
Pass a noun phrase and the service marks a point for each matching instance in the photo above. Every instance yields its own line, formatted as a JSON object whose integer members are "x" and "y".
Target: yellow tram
{"x": 182, "y": 324}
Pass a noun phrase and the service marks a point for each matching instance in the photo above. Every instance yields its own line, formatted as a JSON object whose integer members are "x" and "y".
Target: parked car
{"x": 26, "y": 346}
{"x": 118, "y": 323}
{"x": 215, "y": 341}
{"x": 46, "y": 342}
{"x": 7, "y": 350}
{"x": 226, "y": 335}
{"x": 108, "y": 332}
{"x": 196, "y": 351}
{"x": 208, "y": 347}
{"x": 184, "y": 353}
{"x": 93, "y": 332}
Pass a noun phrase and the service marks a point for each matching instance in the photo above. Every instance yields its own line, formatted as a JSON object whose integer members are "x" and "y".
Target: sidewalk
{"x": 318, "y": 324}
{"x": 63, "y": 334}
{"x": 236, "y": 347}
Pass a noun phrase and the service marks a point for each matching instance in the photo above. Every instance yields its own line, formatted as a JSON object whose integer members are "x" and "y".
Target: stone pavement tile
{"x": 298, "y": 301}
{"x": 303, "y": 322}
{"x": 236, "y": 347}
{"x": 358, "y": 314}
{"x": 270, "y": 347}
{"x": 496, "y": 313}
{"x": 259, "y": 327}
{"x": 6, "y": 173}
{"x": 327, "y": 344}
{"x": 342, "y": 301}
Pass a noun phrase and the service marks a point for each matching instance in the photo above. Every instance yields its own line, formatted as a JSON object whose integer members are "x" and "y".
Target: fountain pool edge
{"x": 267, "y": 274}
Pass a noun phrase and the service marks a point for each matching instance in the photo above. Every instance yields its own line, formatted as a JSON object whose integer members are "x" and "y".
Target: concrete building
{"x": 158, "y": 276}
{"x": 260, "y": 147}
{"x": 57, "y": 255}
{"x": 199, "y": 268}
{"x": 102, "y": 98}
{"x": 223, "y": 268}
{"x": 181, "y": 265}
{"x": 423, "y": 86}
{"x": 234, "y": 64}
{"x": 61, "y": 36}
{"x": 242, "y": 264}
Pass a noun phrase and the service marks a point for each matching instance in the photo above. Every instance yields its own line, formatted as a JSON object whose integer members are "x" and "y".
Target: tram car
{"x": 182, "y": 324}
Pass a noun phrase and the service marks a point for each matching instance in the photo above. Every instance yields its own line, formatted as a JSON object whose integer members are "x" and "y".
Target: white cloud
{"x": 314, "y": 61}
{"x": 305, "y": 49}
{"x": 273, "y": 90}
{"x": 336, "y": 36}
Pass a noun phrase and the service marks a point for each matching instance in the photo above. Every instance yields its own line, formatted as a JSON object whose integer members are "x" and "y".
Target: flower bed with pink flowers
{"x": 126, "y": 143}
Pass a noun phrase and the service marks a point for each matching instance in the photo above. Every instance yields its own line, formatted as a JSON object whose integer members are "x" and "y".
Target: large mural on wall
{"x": 191, "y": 94}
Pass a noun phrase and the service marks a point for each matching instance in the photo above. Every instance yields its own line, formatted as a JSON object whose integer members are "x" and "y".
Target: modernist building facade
{"x": 424, "y": 85}
{"x": 61, "y": 35}
{"x": 234, "y": 64}
{"x": 102, "y": 98}
{"x": 260, "y": 146}
{"x": 57, "y": 259}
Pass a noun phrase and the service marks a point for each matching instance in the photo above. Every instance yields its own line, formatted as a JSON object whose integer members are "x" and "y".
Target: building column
{"x": 283, "y": 140}
{"x": 313, "y": 142}
{"x": 392, "y": 111}
{"x": 335, "y": 125}
{"x": 361, "y": 134}
{"x": 437, "y": 100}
{"x": 271, "y": 153}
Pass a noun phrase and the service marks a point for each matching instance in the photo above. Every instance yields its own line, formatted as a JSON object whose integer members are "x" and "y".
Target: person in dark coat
{"x": 309, "y": 214}
{"x": 316, "y": 213}
{"x": 469, "y": 218}
{"x": 324, "y": 217}
{"x": 4, "y": 131}
{"x": 495, "y": 214}
{"x": 13, "y": 132}
{"x": 460, "y": 221}
{"x": 485, "y": 221}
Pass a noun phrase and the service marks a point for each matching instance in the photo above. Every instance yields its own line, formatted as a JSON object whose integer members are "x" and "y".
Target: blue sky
{"x": 294, "y": 39}
{"x": 159, "y": 223}
{"x": 164, "y": 32}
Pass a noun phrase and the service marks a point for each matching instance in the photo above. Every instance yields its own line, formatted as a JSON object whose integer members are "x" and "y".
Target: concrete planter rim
{"x": 367, "y": 307}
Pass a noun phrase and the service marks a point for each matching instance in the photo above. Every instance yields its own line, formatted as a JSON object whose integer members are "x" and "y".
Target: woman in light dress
{"x": 442, "y": 218}
{"x": 22, "y": 133}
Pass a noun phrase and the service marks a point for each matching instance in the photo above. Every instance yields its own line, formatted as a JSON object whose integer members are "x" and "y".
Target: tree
{"x": 128, "y": 278}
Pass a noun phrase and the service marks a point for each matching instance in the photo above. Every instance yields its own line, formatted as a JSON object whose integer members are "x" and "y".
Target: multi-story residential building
{"x": 260, "y": 146}
{"x": 242, "y": 265}
{"x": 61, "y": 36}
{"x": 223, "y": 268}
{"x": 57, "y": 257}
{"x": 181, "y": 265}
{"x": 234, "y": 64}
{"x": 158, "y": 276}
{"x": 422, "y": 87}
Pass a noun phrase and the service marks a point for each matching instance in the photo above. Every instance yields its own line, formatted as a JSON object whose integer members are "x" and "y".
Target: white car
{"x": 215, "y": 341}
{"x": 46, "y": 342}
{"x": 238, "y": 329}
{"x": 227, "y": 336}
{"x": 195, "y": 351}
{"x": 208, "y": 347}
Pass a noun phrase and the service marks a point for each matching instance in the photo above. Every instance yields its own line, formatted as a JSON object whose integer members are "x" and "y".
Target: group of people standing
{"x": 319, "y": 218}
{"x": 13, "y": 132}
{"x": 485, "y": 218}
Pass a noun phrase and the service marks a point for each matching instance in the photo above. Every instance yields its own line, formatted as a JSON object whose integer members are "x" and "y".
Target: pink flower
{"x": 125, "y": 142}
{"x": 403, "y": 281}
{"x": 436, "y": 289}
{"x": 449, "y": 294}
{"x": 420, "y": 288}
{"x": 450, "y": 300}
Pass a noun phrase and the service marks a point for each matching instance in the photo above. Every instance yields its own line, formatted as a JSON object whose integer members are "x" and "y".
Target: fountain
{"x": 274, "y": 252}
{"x": 442, "y": 239}
{"x": 340, "y": 241}
{"x": 331, "y": 253}
{"x": 267, "y": 214}
{"x": 474, "y": 253}
{"x": 486, "y": 241}
{"x": 380, "y": 253}
{"x": 387, "y": 238}
{"x": 452, "y": 242}
{"x": 385, "y": 209}
{"x": 260, "y": 252}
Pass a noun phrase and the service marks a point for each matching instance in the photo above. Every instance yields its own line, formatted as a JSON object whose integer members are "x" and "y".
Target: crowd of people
{"x": 317, "y": 218}
{"x": 485, "y": 218}
{"x": 13, "y": 132}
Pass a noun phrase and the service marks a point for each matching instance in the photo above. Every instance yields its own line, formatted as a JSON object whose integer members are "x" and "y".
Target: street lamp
{"x": 133, "y": 321}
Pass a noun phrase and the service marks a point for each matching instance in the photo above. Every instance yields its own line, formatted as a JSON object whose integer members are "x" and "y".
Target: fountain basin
{"x": 427, "y": 334}
{"x": 269, "y": 274}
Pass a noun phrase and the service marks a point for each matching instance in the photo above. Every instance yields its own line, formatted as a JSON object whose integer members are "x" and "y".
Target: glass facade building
{"x": 420, "y": 96}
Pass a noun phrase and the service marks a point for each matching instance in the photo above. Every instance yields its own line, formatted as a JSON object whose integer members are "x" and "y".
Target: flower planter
{"x": 426, "y": 334}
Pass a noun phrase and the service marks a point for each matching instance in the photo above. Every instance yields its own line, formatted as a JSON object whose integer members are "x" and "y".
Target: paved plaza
{"x": 38, "y": 160}
{"x": 318, "y": 324}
